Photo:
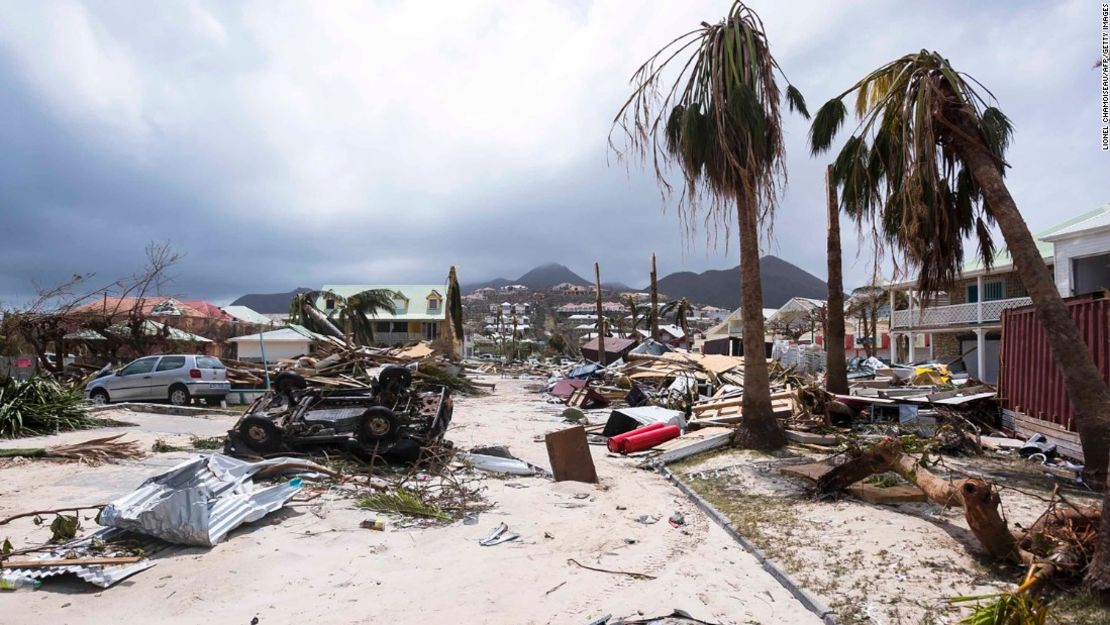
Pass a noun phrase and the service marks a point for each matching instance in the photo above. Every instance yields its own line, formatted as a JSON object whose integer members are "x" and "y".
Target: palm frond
{"x": 830, "y": 117}
{"x": 718, "y": 124}
{"x": 796, "y": 101}
{"x": 911, "y": 184}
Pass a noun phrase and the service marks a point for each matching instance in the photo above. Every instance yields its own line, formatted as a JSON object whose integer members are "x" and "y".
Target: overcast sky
{"x": 295, "y": 144}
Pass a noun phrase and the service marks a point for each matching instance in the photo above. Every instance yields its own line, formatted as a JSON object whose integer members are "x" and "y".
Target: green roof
{"x": 1002, "y": 255}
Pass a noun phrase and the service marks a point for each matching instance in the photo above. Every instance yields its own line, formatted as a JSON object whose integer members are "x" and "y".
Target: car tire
{"x": 378, "y": 425}
{"x": 100, "y": 397}
{"x": 179, "y": 395}
{"x": 260, "y": 435}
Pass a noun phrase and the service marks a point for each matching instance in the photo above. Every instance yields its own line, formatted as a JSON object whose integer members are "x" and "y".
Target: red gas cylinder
{"x": 616, "y": 443}
{"x": 646, "y": 440}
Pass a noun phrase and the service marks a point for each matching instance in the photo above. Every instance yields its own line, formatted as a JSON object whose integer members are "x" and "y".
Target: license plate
{"x": 216, "y": 385}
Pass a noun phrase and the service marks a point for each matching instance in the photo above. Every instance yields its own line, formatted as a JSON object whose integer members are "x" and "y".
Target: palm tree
{"x": 357, "y": 310}
{"x": 926, "y": 166}
{"x": 719, "y": 123}
{"x": 679, "y": 311}
{"x": 836, "y": 371}
{"x": 635, "y": 312}
{"x": 303, "y": 311}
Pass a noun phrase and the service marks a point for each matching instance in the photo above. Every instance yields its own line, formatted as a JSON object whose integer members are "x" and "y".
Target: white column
{"x": 912, "y": 339}
{"x": 979, "y": 298}
{"x": 980, "y": 351}
{"x": 891, "y": 325}
{"x": 931, "y": 338}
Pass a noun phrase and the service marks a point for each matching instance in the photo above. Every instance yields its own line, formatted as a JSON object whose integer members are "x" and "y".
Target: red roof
{"x": 155, "y": 306}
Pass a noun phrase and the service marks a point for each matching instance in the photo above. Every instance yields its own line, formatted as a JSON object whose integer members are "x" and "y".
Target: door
{"x": 170, "y": 369}
{"x": 133, "y": 381}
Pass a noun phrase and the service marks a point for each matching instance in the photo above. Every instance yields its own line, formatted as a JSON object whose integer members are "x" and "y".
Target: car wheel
{"x": 99, "y": 397}
{"x": 260, "y": 434}
{"x": 378, "y": 425}
{"x": 179, "y": 395}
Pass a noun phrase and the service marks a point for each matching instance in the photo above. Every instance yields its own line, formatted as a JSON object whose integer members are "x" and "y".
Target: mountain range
{"x": 718, "y": 287}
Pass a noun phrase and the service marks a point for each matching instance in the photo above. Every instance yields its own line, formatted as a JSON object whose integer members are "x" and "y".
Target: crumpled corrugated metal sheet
{"x": 98, "y": 575}
{"x": 199, "y": 501}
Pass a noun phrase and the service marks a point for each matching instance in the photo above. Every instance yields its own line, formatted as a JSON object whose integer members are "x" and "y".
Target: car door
{"x": 133, "y": 381}
{"x": 170, "y": 369}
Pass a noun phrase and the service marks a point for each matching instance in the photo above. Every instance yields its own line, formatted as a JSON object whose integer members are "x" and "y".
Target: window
{"x": 400, "y": 326}
{"x": 142, "y": 365}
{"x": 433, "y": 305}
{"x": 431, "y": 331}
{"x": 329, "y": 304}
{"x": 993, "y": 290}
{"x": 169, "y": 363}
{"x": 381, "y": 326}
{"x": 208, "y": 362}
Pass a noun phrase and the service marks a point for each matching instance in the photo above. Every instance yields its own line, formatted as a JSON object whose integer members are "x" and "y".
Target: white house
{"x": 288, "y": 342}
{"x": 1081, "y": 254}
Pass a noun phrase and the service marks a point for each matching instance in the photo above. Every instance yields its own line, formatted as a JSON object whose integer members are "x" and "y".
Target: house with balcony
{"x": 966, "y": 321}
{"x": 419, "y": 310}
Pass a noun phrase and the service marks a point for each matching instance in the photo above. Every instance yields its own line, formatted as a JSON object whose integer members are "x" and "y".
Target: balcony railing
{"x": 954, "y": 315}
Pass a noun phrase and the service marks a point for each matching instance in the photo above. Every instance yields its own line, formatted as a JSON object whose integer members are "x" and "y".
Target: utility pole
{"x": 600, "y": 318}
{"x": 654, "y": 302}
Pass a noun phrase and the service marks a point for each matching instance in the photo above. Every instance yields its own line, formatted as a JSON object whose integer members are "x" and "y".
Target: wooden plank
{"x": 39, "y": 564}
{"x": 569, "y": 454}
{"x": 810, "y": 471}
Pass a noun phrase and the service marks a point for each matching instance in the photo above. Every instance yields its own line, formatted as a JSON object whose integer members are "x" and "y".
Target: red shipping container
{"x": 616, "y": 443}
{"x": 647, "y": 440}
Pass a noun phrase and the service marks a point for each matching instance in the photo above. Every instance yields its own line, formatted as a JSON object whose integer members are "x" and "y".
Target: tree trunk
{"x": 600, "y": 318}
{"x": 759, "y": 429}
{"x": 654, "y": 303}
{"x": 979, "y": 501}
{"x": 837, "y": 366}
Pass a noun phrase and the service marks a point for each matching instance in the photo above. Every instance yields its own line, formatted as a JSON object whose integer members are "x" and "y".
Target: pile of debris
{"x": 353, "y": 368}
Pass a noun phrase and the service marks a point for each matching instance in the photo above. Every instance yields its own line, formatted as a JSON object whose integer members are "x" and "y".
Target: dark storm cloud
{"x": 282, "y": 145}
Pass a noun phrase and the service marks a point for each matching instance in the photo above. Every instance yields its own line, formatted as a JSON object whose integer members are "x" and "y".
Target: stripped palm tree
{"x": 679, "y": 310}
{"x": 455, "y": 310}
{"x": 924, "y": 168}
{"x": 719, "y": 123}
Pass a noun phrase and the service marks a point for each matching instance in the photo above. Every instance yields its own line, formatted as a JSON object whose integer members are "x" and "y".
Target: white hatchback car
{"x": 177, "y": 378}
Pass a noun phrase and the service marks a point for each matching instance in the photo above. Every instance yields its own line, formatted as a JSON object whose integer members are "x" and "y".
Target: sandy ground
{"x": 311, "y": 564}
{"x": 874, "y": 564}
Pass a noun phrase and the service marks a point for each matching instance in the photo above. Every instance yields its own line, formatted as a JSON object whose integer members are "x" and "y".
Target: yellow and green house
{"x": 419, "y": 310}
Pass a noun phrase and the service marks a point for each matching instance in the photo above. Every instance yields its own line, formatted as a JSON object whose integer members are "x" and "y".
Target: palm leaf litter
{"x": 95, "y": 451}
{"x": 403, "y": 501}
{"x": 39, "y": 406}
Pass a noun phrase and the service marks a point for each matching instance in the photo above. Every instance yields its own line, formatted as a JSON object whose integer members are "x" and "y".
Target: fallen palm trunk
{"x": 95, "y": 451}
{"x": 976, "y": 497}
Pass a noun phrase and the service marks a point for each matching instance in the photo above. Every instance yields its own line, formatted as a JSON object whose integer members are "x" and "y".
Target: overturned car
{"x": 391, "y": 418}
